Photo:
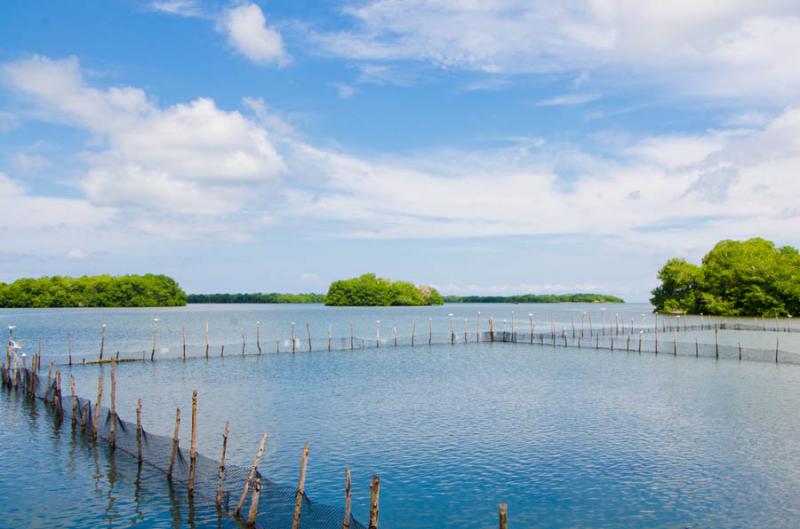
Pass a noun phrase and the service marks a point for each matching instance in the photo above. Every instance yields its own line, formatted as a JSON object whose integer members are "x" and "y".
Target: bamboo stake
{"x": 347, "y": 516}
{"x": 503, "y": 516}
{"x": 102, "y": 340}
{"x": 139, "y": 430}
{"x": 221, "y": 475}
{"x": 74, "y": 398}
{"x": 97, "y": 407}
{"x": 374, "y": 497}
{"x": 193, "y": 446}
{"x": 206, "y": 339}
{"x": 253, "y": 512}
{"x": 301, "y": 485}
{"x": 251, "y": 475}
{"x": 175, "y": 441}
{"x": 57, "y": 395}
{"x": 112, "y": 438}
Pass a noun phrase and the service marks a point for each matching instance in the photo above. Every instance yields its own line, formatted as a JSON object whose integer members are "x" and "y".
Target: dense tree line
{"x": 149, "y": 290}
{"x": 256, "y": 297}
{"x": 537, "y": 298}
{"x": 369, "y": 290}
{"x": 736, "y": 278}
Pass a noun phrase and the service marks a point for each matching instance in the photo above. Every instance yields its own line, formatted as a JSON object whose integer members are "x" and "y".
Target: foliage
{"x": 370, "y": 290}
{"x": 736, "y": 278}
{"x": 149, "y": 290}
{"x": 537, "y": 298}
{"x": 258, "y": 297}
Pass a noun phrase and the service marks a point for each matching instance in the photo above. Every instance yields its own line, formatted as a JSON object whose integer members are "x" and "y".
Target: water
{"x": 567, "y": 437}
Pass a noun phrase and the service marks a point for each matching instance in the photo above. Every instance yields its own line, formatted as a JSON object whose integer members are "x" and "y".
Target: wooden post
{"x": 430, "y": 331}
{"x": 74, "y": 398}
{"x": 394, "y": 332}
{"x": 352, "y": 345}
{"x": 57, "y": 393}
{"x": 777, "y": 345}
{"x": 330, "y": 337}
{"x": 374, "y": 497}
{"x": 69, "y": 350}
{"x": 301, "y": 485}
{"x": 175, "y": 441}
{"x": 155, "y": 339}
{"x": 466, "y": 322}
{"x": 503, "y": 516}
{"x": 139, "y": 431}
{"x": 308, "y": 333}
{"x": 253, "y": 512}
{"x": 491, "y": 329}
{"x": 696, "y": 347}
{"x": 252, "y": 474}
{"x": 413, "y": 332}
{"x": 628, "y": 344}
{"x": 193, "y": 446}
{"x": 102, "y": 340}
{"x": 294, "y": 338}
{"x": 183, "y": 340}
{"x": 739, "y": 344}
{"x": 258, "y": 336}
{"x": 206, "y": 339}
{"x": 716, "y": 343}
{"x": 347, "y": 516}
{"x": 378, "y": 334}
{"x": 478, "y": 327}
{"x": 221, "y": 474}
{"x": 243, "y": 341}
{"x": 112, "y": 438}
{"x": 641, "y": 333}
{"x": 97, "y": 407}
{"x": 513, "y": 327}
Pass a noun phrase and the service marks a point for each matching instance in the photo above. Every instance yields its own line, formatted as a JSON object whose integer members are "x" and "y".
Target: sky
{"x": 480, "y": 146}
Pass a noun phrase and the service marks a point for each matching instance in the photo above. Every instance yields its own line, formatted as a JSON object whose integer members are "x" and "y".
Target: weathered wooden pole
{"x": 378, "y": 334}
{"x": 139, "y": 431}
{"x": 739, "y": 345}
{"x": 183, "y": 340}
{"x": 277, "y": 339}
{"x": 308, "y": 333}
{"x": 777, "y": 347}
{"x": 206, "y": 339}
{"x": 696, "y": 347}
{"x": 102, "y": 340}
{"x": 69, "y": 350}
{"x": 193, "y": 446}
{"x": 513, "y": 326}
{"x": 413, "y": 331}
{"x": 503, "y": 516}
{"x": 330, "y": 337}
{"x": 254, "y": 497}
{"x": 452, "y": 329}
{"x": 301, "y": 486}
{"x": 374, "y": 498}
{"x": 251, "y": 475}
{"x": 491, "y": 329}
{"x": 294, "y": 337}
{"x": 591, "y": 330}
{"x": 74, "y": 398}
{"x": 155, "y": 339}
{"x": 258, "y": 336}
{"x": 347, "y": 515}
{"x": 478, "y": 327}
{"x": 394, "y": 332}
{"x": 221, "y": 471}
{"x": 430, "y": 331}
{"x": 628, "y": 344}
{"x": 57, "y": 399}
{"x": 175, "y": 441}
{"x": 243, "y": 341}
{"x": 352, "y": 338}
{"x": 716, "y": 343}
{"x": 97, "y": 407}
{"x": 112, "y": 438}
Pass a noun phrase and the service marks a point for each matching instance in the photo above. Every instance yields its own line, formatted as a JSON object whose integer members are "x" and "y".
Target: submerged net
{"x": 276, "y": 503}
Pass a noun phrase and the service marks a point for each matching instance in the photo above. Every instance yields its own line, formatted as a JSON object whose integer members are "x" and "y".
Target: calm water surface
{"x": 567, "y": 437}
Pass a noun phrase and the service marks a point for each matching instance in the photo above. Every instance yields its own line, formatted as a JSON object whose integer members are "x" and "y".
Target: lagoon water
{"x": 567, "y": 437}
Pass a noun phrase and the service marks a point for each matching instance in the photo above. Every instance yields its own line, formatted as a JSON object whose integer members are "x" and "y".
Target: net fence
{"x": 276, "y": 504}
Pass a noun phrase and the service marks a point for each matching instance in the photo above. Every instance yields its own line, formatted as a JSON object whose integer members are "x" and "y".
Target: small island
{"x": 736, "y": 278}
{"x": 256, "y": 297}
{"x": 537, "y": 298}
{"x": 369, "y": 290}
{"x": 148, "y": 290}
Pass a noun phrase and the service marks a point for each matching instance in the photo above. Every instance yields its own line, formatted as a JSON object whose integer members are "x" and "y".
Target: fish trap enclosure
{"x": 246, "y": 495}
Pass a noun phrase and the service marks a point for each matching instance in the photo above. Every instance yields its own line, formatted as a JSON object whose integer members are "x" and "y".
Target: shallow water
{"x": 566, "y": 437}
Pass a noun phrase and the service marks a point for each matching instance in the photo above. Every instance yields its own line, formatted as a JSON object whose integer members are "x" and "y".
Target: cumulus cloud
{"x": 191, "y": 158}
{"x": 249, "y": 34}
{"x": 186, "y": 8}
{"x": 733, "y": 49}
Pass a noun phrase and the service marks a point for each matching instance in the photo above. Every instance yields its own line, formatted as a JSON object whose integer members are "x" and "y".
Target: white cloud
{"x": 30, "y": 162}
{"x": 8, "y": 122}
{"x": 733, "y": 49}
{"x": 568, "y": 100}
{"x": 249, "y": 34}
{"x": 190, "y": 158}
{"x": 186, "y": 8}
{"x": 344, "y": 90}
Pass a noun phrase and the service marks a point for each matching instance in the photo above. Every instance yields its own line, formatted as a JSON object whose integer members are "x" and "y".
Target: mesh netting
{"x": 276, "y": 504}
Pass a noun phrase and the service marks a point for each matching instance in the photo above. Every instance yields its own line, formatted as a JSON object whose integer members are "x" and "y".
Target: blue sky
{"x": 502, "y": 146}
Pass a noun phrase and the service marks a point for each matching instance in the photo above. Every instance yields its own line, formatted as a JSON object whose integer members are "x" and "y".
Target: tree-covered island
{"x": 148, "y": 290}
{"x": 370, "y": 290}
{"x": 537, "y": 298}
{"x": 736, "y": 278}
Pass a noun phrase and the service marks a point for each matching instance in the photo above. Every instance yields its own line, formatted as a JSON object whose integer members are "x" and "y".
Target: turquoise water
{"x": 567, "y": 437}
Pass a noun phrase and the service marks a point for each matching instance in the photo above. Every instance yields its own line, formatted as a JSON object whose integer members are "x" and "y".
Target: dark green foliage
{"x": 736, "y": 278}
{"x": 149, "y": 290}
{"x": 537, "y": 298}
{"x": 370, "y": 290}
{"x": 255, "y": 298}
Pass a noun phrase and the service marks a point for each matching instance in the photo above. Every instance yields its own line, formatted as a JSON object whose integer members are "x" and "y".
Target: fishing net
{"x": 276, "y": 502}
